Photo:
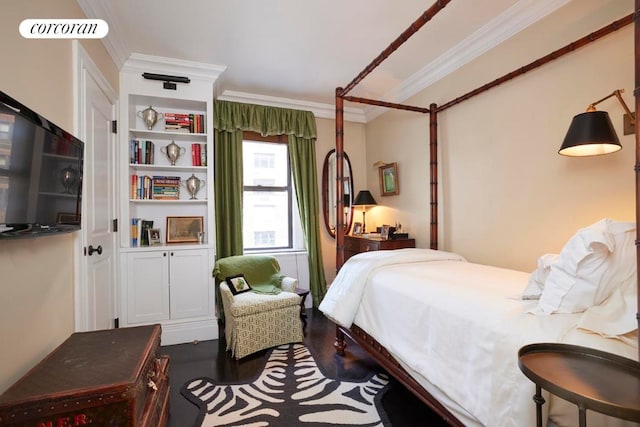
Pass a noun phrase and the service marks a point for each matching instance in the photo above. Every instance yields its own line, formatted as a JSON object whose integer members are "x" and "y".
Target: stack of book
{"x": 199, "y": 154}
{"x": 140, "y": 232}
{"x": 166, "y": 187}
{"x": 141, "y": 187}
{"x": 141, "y": 152}
{"x": 184, "y": 122}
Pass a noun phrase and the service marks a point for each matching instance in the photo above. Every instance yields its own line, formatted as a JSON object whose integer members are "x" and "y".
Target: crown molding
{"x": 139, "y": 63}
{"x": 113, "y": 42}
{"x": 502, "y": 27}
{"x": 325, "y": 111}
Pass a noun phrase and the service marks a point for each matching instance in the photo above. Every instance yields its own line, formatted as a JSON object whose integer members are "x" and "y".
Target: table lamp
{"x": 364, "y": 199}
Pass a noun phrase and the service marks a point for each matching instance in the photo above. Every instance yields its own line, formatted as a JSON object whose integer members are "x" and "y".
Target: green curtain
{"x": 228, "y": 192}
{"x": 231, "y": 118}
{"x": 302, "y": 154}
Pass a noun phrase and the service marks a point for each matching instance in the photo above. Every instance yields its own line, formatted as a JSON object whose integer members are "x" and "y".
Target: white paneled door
{"x": 96, "y": 296}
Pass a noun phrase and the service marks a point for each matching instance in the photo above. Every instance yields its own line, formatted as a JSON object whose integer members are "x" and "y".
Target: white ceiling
{"x": 298, "y": 52}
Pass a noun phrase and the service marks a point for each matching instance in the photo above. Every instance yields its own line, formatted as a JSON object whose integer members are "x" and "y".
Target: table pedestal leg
{"x": 582, "y": 416}
{"x": 539, "y": 402}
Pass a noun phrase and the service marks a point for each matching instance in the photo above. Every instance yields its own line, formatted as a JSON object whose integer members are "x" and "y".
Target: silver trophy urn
{"x": 173, "y": 151}
{"x": 69, "y": 178}
{"x": 149, "y": 116}
{"x": 193, "y": 185}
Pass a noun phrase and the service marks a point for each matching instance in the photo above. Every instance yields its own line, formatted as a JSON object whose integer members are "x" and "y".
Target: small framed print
{"x": 384, "y": 232}
{"x": 357, "y": 228}
{"x": 184, "y": 229}
{"x": 154, "y": 236}
{"x": 388, "y": 175}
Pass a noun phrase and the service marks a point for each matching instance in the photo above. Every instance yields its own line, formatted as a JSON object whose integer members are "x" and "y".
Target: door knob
{"x": 92, "y": 250}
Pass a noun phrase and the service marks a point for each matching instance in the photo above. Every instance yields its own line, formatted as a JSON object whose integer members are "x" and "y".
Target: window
{"x": 270, "y": 216}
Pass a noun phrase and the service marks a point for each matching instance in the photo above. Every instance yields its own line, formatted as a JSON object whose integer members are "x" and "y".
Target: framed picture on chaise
{"x": 388, "y": 175}
{"x": 184, "y": 229}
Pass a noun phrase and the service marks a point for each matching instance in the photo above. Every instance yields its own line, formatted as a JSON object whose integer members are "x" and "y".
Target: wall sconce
{"x": 591, "y": 133}
{"x": 378, "y": 164}
{"x": 364, "y": 199}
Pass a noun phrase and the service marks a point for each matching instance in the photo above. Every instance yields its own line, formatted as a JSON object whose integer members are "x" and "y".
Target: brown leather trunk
{"x": 112, "y": 377}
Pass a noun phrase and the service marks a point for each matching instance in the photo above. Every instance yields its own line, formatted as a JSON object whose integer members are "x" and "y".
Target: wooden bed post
{"x": 433, "y": 173}
{"x": 636, "y": 93}
{"x": 339, "y": 179}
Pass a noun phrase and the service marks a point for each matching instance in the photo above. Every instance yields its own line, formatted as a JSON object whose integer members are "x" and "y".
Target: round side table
{"x": 592, "y": 379}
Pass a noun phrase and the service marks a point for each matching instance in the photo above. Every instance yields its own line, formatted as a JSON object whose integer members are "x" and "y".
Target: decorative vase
{"x": 193, "y": 185}
{"x": 149, "y": 116}
{"x": 68, "y": 177}
{"x": 173, "y": 151}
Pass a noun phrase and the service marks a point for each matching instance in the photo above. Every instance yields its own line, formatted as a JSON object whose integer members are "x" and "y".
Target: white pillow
{"x": 585, "y": 274}
{"x": 535, "y": 286}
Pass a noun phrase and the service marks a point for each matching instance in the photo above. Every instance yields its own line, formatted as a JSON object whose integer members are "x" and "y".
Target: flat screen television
{"x": 40, "y": 174}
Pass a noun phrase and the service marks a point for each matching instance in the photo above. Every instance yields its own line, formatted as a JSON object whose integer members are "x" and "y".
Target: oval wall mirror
{"x": 329, "y": 201}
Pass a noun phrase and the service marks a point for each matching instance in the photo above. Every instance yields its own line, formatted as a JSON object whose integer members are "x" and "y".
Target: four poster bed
{"x": 462, "y": 359}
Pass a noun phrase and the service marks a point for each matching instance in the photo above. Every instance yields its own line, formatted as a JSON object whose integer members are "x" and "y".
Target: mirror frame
{"x": 325, "y": 192}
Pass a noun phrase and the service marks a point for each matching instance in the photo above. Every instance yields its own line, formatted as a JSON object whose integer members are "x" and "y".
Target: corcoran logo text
{"x": 63, "y": 28}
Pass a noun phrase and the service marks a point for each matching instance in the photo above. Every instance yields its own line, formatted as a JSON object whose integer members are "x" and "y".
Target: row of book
{"x": 140, "y": 232}
{"x": 141, "y": 152}
{"x": 199, "y": 154}
{"x": 183, "y": 122}
{"x": 144, "y": 187}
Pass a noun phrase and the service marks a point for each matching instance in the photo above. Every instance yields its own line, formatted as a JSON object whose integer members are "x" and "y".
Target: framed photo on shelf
{"x": 184, "y": 229}
{"x": 388, "y": 175}
{"x": 154, "y": 236}
{"x": 357, "y": 228}
{"x": 384, "y": 232}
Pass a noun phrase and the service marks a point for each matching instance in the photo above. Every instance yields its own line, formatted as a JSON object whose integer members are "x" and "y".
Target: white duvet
{"x": 457, "y": 326}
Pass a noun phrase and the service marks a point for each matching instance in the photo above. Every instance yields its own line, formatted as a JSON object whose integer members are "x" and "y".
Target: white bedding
{"x": 457, "y": 327}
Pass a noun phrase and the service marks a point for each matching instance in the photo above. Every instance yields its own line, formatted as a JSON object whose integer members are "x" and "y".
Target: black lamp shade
{"x": 590, "y": 134}
{"x": 364, "y": 198}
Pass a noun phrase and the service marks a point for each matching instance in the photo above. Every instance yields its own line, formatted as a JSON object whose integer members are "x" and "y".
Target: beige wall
{"x": 36, "y": 275}
{"x": 354, "y": 146}
{"x": 507, "y": 195}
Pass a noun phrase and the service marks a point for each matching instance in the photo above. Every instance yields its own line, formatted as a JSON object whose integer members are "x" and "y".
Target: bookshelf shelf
{"x": 160, "y": 201}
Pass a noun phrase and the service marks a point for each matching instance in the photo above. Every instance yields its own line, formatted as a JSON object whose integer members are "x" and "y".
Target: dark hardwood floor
{"x": 209, "y": 359}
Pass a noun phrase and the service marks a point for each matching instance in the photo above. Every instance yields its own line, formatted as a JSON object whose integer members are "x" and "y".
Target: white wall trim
{"x": 114, "y": 42}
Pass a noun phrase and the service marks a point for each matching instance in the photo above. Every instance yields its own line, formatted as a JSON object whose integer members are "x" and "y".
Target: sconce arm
{"x": 616, "y": 93}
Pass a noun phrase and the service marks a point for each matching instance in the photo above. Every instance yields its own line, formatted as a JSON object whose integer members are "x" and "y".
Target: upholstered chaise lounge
{"x": 257, "y": 304}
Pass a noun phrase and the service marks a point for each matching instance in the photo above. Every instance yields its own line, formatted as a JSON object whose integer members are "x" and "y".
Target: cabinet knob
{"x": 164, "y": 254}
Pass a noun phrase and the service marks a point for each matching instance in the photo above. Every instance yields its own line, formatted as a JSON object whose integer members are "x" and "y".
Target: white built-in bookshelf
{"x": 167, "y": 279}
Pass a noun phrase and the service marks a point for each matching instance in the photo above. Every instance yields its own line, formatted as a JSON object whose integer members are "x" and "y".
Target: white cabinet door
{"x": 147, "y": 287}
{"x": 189, "y": 282}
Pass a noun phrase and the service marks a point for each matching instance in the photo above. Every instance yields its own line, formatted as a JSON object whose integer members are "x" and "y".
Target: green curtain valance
{"x": 233, "y": 116}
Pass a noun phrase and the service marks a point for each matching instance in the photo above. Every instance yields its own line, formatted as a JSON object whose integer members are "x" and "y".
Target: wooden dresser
{"x": 355, "y": 245}
{"x": 112, "y": 377}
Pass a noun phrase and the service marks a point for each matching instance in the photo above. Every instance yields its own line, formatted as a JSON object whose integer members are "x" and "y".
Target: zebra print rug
{"x": 291, "y": 390}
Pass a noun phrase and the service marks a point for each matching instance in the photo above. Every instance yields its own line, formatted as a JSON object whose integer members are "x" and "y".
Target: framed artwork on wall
{"x": 388, "y": 175}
